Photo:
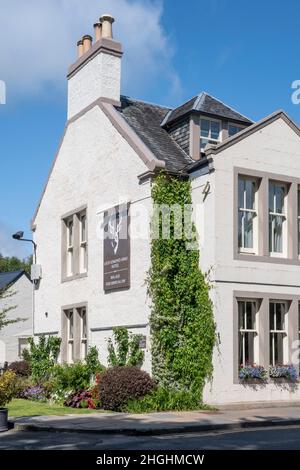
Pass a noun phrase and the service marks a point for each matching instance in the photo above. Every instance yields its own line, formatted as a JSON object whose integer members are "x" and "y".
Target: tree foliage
{"x": 42, "y": 356}
{"x": 9, "y": 264}
{"x": 182, "y": 324}
{"x": 124, "y": 349}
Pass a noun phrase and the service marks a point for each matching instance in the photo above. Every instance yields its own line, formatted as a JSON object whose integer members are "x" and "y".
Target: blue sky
{"x": 244, "y": 53}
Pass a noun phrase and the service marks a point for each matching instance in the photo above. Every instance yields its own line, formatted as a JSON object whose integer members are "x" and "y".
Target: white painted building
{"x": 17, "y": 297}
{"x": 248, "y": 174}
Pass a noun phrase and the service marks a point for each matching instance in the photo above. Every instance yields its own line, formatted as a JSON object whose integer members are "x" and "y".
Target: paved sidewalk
{"x": 162, "y": 423}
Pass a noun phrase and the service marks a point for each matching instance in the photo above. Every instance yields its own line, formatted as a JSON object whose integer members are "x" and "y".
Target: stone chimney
{"x": 97, "y": 70}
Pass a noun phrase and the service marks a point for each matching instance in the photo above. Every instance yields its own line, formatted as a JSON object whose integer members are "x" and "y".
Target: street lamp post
{"x": 19, "y": 236}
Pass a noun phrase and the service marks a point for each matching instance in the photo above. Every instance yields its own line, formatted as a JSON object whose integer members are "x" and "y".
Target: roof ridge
{"x": 227, "y": 106}
{"x": 147, "y": 102}
{"x": 199, "y": 99}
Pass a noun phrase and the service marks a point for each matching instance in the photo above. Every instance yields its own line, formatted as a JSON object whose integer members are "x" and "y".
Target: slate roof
{"x": 208, "y": 105}
{"x": 145, "y": 119}
{"x": 6, "y": 279}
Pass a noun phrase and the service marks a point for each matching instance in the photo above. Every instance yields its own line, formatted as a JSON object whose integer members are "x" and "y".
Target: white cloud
{"x": 38, "y": 42}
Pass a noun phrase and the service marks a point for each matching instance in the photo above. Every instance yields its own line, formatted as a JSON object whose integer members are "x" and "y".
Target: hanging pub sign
{"x": 116, "y": 248}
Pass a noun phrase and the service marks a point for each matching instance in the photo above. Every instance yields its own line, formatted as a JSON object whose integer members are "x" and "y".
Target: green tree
{"x": 125, "y": 349}
{"x": 42, "y": 356}
{"x": 8, "y": 264}
{"x": 182, "y": 324}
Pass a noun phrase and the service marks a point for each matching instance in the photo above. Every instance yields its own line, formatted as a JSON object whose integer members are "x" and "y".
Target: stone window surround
{"x": 263, "y": 327}
{"x": 77, "y": 326}
{"x": 263, "y": 254}
{"x": 76, "y": 250}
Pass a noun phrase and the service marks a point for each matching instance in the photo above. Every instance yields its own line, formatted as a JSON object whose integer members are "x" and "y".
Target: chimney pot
{"x": 98, "y": 31}
{"x": 80, "y": 48}
{"x": 87, "y": 42}
{"x": 107, "y": 21}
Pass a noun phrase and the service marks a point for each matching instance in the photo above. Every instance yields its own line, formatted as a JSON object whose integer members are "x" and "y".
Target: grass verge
{"x": 19, "y": 407}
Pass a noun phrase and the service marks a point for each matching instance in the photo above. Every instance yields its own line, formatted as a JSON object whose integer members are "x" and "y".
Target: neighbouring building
{"x": 17, "y": 293}
{"x": 245, "y": 186}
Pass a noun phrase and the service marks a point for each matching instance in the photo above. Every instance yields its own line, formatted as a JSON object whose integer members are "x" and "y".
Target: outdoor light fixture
{"x": 35, "y": 270}
{"x": 19, "y": 236}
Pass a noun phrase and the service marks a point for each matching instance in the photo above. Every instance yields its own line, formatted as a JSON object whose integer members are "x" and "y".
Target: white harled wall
{"x": 95, "y": 167}
{"x": 100, "y": 77}
{"x": 274, "y": 149}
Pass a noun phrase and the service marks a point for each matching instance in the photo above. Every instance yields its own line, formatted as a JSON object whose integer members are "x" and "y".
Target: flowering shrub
{"x": 252, "y": 372}
{"x": 82, "y": 399}
{"x": 35, "y": 393}
{"x": 7, "y": 387}
{"x": 285, "y": 371}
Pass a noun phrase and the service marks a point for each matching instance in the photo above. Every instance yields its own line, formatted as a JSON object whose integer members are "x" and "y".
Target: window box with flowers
{"x": 283, "y": 372}
{"x": 252, "y": 374}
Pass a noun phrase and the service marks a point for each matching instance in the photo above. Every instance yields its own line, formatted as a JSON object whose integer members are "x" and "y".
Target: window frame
{"x": 242, "y": 332}
{"x": 70, "y": 340}
{"x": 83, "y": 244}
{"x": 245, "y": 210}
{"x": 283, "y": 333}
{"x": 74, "y": 252}
{"x": 82, "y": 312}
{"x": 273, "y": 214}
{"x": 70, "y": 246}
{"x": 210, "y": 139}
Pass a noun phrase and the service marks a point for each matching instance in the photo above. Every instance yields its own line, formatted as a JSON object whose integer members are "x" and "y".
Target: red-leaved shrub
{"x": 20, "y": 368}
{"x": 118, "y": 385}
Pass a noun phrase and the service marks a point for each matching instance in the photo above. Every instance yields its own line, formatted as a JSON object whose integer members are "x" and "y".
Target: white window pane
{"x": 83, "y": 228}
{"x": 84, "y": 324}
{"x": 71, "y": 325}
{"x": 277, "y": 223}
{"x": 241, "y": 192}
{"x": 272, "y": 317}
{"x": 279, "y": 199}
{"x": 204, "y": 128}
{"x": 241, "y": 308}
{"x": 70, "y": 234}
{"x": 248, "y": 229}
{"x": 215, "y": 130}
{"x": 250, "y": 317}
{"x": 240, "y": 230}
{"x": 247, "y": 313}
{"x": 271, "y": 197}
{"x": 250, "y": 194}
{"x": 280, "y": 314}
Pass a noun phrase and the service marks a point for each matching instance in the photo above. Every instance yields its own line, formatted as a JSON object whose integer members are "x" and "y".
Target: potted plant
{"x": 252, "y": 373}
{"x": 7, "y": 390}
{"x": 287, "y": 372}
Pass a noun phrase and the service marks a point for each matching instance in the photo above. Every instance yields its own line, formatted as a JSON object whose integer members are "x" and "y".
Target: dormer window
{"x": 209, "y": 132}
{"x": 233, "y": 129}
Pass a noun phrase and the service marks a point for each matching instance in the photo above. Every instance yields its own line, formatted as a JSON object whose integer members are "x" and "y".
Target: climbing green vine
{"x": 182, "y": 324}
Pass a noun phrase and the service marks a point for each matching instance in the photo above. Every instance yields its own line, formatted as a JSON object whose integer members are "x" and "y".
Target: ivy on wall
{"x": 182, "y": 324}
